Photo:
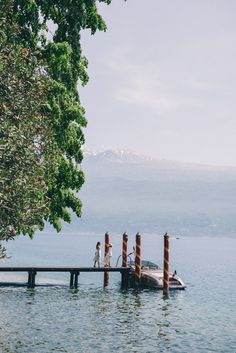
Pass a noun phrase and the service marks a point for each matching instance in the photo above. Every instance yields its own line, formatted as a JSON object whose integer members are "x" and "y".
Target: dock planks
{"x": 74, "y": 272}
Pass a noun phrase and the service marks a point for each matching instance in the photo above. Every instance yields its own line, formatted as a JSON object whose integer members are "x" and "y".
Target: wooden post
{"x": 107, "y": 242}
{"x": 106, "y": 274}
{"x": 71, "y": 279}
{"x": 76, "y": 280}
{"x": 124, "y": 250}
{"x": 138, "y": 260}
{"x": 166, "y": 265}
{"x": 31, "y": 279}
{"x": 124, "y": 280}
{"x": 124, "y": 277}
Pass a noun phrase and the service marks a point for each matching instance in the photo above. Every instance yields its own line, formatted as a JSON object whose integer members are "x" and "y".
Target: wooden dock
{"x": 74, "y": 273}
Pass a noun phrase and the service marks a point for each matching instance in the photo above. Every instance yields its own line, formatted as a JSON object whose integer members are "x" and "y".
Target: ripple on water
{"x": 93, "y": 320}
{"x": 97, "y": 320}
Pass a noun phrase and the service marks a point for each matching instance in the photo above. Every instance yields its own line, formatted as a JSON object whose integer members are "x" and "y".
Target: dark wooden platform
{"x": 74, "y": 272}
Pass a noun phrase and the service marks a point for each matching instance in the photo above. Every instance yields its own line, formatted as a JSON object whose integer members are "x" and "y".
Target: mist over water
{"x": 124, "y": 190}
{"x": 92, "y": 319}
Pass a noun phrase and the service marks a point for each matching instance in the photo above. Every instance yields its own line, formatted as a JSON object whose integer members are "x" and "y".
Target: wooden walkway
{"x": 74, "y": 273}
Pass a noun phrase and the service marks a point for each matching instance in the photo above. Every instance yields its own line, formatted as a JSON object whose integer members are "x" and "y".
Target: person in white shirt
{"x": 98, "y": 255}
{"x": 108, "y": 257}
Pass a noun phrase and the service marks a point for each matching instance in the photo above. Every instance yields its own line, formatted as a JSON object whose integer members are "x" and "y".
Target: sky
{"x": 163, "y": 80}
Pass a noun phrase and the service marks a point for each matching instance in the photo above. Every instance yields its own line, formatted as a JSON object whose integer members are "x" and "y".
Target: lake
{"x": 93, "y": 319}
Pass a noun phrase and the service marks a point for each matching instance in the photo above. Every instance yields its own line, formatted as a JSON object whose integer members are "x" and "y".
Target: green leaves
{"x": 58, "y": 58}
{"x": 2, "y": 252}
{"x": 26, "y": 138}
{"x": 42, "y": 120}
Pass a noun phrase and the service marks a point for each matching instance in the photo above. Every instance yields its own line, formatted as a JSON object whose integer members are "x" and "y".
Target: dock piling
{"x": 138, "y": 260}
{"x": 166, "y": 265}
{"x": 74, "y": 279}
{"x": 31, "y": 279}
{"x": 71, "y": 279}
{"x": 106, "y": 274}
{"x": 124, "y": 250}
{"x": 124, "y": 276}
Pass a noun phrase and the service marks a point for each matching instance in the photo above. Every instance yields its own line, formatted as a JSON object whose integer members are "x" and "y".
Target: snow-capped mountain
{"x": 126, "y": 191}
{"x": 127, "y": 156}
{"x": 116, "y": 156}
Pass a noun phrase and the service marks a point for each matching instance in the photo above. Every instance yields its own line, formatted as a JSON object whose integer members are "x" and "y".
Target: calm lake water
{"x": 92, "y": 319}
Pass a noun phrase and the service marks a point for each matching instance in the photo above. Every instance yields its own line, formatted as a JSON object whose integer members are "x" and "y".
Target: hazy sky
{"x": 163, "y": 80}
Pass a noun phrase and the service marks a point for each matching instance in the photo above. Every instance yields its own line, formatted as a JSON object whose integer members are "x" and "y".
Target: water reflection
{"x": 164, "y": 322}
{"x": 96, "y": 320}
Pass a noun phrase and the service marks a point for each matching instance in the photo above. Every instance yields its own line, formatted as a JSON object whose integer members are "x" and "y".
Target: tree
{"x": 27, "y": 147}
{"x": 65, "y": 65}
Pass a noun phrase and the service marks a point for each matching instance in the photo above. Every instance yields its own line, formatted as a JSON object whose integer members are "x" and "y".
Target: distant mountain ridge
{"x": 127, "y": 156}
{"x": 124, "y": 191}
{"x": 118, "y": 156}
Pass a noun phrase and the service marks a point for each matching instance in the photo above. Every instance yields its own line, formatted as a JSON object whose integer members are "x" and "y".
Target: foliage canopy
{"x": 42, "y": 119}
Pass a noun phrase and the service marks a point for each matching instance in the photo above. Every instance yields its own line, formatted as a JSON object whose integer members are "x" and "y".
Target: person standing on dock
{"x": 108, "y": 257}
{"x": 98, "y": 255}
